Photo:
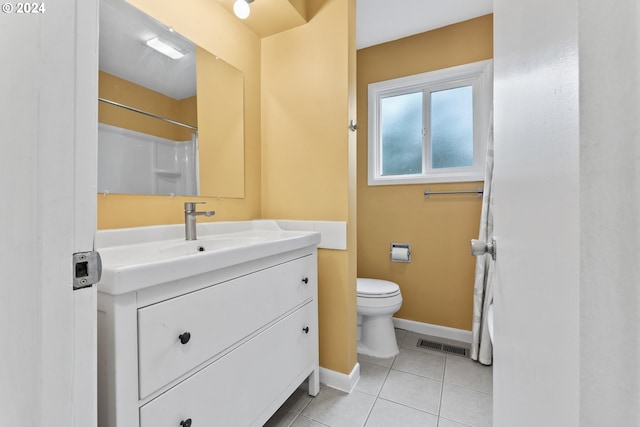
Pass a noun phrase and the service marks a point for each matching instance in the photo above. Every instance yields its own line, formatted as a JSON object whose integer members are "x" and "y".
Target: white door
{"x": 567, "y": 213}
{"x": 48, "y": 119}
{"x": 536, "y": 216}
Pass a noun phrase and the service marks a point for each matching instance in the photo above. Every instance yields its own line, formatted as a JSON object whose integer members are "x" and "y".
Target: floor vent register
{"x": 444, "y": 348}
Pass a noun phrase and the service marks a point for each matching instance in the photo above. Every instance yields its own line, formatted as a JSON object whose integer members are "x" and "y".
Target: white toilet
{"x": 378, "y": 300}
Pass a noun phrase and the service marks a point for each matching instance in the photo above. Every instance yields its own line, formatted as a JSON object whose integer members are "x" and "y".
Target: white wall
{"x": 132, "y": 162}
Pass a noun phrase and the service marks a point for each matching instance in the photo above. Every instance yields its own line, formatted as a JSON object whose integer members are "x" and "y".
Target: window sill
{"x": 431, "y": 179}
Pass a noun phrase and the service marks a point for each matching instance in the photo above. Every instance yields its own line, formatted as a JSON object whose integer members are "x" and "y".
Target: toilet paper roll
{"x": 400, "y": 254}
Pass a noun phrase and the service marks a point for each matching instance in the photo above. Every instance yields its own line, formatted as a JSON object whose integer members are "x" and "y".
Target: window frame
{"x": 479, "y": 75}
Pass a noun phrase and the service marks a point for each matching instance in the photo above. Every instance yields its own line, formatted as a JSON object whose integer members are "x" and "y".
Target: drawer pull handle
{"x": 186, "y": 423}
{"x": 305, "y": 280}
{"x": 184, "y": 338}
{"x": 306, "y": 329}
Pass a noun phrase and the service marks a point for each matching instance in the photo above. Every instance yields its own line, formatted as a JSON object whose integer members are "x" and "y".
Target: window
{"x": 430, "y": 127}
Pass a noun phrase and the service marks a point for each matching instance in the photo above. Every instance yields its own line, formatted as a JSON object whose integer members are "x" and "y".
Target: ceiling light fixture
{"x": 241, "y": 8}
{"x": 165, "y": 49}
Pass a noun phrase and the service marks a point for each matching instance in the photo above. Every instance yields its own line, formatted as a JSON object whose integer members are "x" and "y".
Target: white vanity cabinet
{"x": 221, "y": 348}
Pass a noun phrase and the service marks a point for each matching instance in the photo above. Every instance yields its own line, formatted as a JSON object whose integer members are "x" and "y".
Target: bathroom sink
{"x": 136, "y": 258}
{"x": 208, "y": 244}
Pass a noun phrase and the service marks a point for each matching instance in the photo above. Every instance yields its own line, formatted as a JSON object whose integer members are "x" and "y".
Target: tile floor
{"x": 418, "y": 387}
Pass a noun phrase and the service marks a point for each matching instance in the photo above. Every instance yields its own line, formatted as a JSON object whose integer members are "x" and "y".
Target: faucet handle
{"x": 191, "y": 206}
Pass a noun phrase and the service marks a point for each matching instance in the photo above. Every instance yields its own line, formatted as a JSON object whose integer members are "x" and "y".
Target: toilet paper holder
{"x": 400, "y": 252}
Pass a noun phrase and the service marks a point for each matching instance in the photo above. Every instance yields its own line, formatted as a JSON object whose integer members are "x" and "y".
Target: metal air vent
{"x": 444, "y": 348}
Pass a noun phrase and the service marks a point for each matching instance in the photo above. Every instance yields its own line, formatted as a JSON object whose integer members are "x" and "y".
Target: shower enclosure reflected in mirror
{"x": 165, "y": 124}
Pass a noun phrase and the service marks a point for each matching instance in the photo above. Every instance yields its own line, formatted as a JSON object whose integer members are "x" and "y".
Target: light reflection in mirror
{"x": 138, "y": 154}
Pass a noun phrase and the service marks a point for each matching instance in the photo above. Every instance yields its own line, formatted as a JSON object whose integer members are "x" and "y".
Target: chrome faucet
{"x": 190, "y": 215}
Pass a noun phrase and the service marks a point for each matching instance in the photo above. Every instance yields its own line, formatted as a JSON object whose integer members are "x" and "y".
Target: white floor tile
{"x": 466, "y": 406}
{"x": 282, "y": 418}
{"x": 372, "y": 377}
{"x": 298, "y": 400}
{"x": 412, "y": 390}
{"x": 386, "y": 414}
{"x": 338, "y": 409}
{"x": 467, "y": 373}
{"x": 418, "y": 387}
{"x": 420, "y": 363}
{"x": 303, "y": 421}
{"x": 386, "y": 362}
{"x": 410, "y": 339}
{"x": 400, "y": 335}
{"x": 443, "y": 422}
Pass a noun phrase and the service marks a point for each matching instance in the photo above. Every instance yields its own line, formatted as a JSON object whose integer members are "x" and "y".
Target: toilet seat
{"x": 376, "y": 288}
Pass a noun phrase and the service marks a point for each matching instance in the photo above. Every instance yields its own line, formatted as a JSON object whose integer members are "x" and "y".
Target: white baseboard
{"x": 340, "y": 381}
{"x": 434, "y": 330}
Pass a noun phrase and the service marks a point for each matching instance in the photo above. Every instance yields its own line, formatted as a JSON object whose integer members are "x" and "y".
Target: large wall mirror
{"x": 170, "y": 122}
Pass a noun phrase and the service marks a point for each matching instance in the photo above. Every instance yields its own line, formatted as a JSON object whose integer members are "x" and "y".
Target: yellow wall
{"x": 437, "y": 286}
{"x": 308, "y": 153}
{"x": 213, "y": 28}
{"x": 300, "y": 159}
{"x": 299, "y": 155}
{"x": 125, "y": 92}
{"x": 221, "y": 112}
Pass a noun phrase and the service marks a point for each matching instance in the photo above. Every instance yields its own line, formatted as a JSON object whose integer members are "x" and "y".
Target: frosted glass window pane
{"x": 452, "y": 128}
{"x": 401, "y": 127}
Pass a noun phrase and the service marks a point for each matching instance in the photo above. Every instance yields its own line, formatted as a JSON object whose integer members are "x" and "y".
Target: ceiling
{"x": 123, "y": 53}
{"x": 380, "y": 21}
{"x": 123, "y": 29}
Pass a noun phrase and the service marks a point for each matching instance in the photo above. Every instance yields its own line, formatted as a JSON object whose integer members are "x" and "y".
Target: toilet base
{"x": 378, "y": 337}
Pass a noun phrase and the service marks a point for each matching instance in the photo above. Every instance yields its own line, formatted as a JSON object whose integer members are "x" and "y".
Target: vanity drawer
{"x": 215, "y": 318}
{"x": 237, "y": 388}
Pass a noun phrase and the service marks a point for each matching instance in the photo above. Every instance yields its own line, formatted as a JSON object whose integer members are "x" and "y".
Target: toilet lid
{"x": 376, "y": 288}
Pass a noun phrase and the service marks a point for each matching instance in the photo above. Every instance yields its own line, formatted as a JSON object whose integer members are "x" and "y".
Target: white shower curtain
{"x": 481, "y": 347}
